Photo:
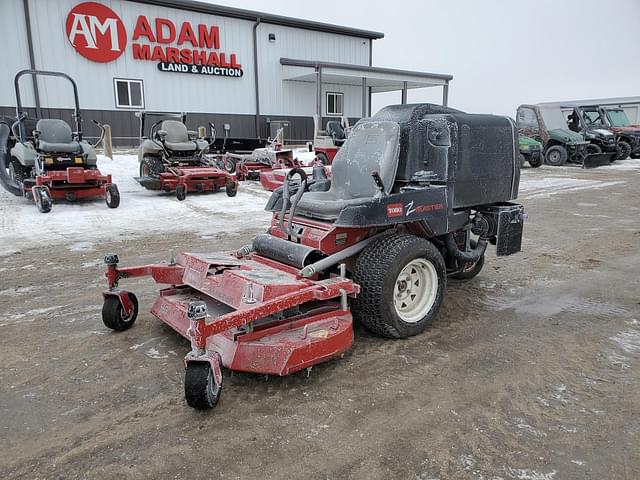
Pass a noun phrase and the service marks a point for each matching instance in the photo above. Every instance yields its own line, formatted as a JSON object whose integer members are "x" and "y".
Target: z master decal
{"x": 423, "y": 208}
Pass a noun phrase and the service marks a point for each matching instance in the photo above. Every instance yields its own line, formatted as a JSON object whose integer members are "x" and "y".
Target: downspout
{"x": 371, "y": 65}
{"x": 255, "y": 73}
{"x": 32, "y": 59}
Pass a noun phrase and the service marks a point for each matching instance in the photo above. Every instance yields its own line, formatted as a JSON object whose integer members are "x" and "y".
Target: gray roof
{"x": 202, "y": 7}
{"x": 392, "y": 71}
{"x": 617, "y": 101}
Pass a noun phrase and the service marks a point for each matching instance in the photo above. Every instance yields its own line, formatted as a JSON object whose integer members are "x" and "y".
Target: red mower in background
{"x": 46, "y": 160}
{"x": 374, "y": 243}
{"x": 326, "y": 143}
{"x": 251, "y": 166}
{"x": 174, "y": 159}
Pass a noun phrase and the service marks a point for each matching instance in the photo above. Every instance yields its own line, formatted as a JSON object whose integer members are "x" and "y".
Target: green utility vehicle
{"x": 547, "y": 125}
{"x": 530, "y": 151}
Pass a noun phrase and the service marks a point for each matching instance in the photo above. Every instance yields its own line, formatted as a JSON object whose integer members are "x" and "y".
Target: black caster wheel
{"x": 112, "y": 196}
{"x": 42, "y": 199}
{"x": 181, "y": 192}
{"x": 200, "y": 388}
{"x": 113, "y": 315}
{"x": 231, "y": 189}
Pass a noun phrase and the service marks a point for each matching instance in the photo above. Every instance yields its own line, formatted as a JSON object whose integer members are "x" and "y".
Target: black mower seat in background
{"x": 336, "y": 132}
{"x": 177, "y": 138}
{"x": 372, "y": 147}
{"x": 56, "y": 136}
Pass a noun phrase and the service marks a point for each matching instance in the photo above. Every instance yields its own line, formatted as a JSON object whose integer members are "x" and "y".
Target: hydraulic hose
{"x": 471, "y": 256}
{"x": 336, "y": 258}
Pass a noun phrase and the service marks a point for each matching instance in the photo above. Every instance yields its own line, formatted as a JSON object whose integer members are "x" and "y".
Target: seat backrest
{"x": 335, "y": 130}
{"x": 371, "y": 147}
{"x": 54, "y": 131}
{"x": 176, "y": 131}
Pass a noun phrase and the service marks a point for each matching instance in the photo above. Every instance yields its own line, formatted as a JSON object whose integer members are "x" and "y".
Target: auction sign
{"x": 97, "y": 33}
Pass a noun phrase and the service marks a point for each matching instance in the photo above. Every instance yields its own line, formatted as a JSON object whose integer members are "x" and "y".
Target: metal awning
{"x": 371, "y": 79}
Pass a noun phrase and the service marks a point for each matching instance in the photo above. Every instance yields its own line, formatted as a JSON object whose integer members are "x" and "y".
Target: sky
{"x": 501, "y": 53}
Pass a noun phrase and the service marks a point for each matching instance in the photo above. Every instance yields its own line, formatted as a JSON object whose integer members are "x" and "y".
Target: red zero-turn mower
{"x": 261, "y": 160}
{"x": 273, "y": 179}
{"x": 417, "y": 193}
{"x": 173, "y": 158}
{"x": 327, "y": 142}
{"x": 46, "y": 160}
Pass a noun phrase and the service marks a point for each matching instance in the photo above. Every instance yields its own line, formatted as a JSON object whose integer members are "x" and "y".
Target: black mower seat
{"x": 177, "y": 138}
{"x": 336, "y": 132}
{"x": 371, "y": 147}
{"x": 55, "y": 136}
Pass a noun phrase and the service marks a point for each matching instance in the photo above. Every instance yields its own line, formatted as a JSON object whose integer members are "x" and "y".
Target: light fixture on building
{"x": 272, "y": 37}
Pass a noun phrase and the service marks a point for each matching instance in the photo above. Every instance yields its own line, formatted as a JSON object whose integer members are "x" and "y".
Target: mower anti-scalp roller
{"x": 248, "y": 314}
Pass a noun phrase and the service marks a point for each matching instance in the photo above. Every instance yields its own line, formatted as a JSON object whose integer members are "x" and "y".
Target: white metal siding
{"x": 174, "y": 91}
{"x": 163, "y": 90}
{"x": 278, "y": 97}
{"x": 15, "y": 55}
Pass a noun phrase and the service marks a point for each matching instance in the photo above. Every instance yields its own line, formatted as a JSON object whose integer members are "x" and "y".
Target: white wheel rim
{"x": 415, "y": 290}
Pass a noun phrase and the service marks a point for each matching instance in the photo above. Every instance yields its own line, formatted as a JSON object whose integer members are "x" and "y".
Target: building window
{"x": 335, "y": 102}
{"x": 129, "y": 93}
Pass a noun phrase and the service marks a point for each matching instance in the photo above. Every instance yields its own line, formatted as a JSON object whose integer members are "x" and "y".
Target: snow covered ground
{"x": 83, "y": 225}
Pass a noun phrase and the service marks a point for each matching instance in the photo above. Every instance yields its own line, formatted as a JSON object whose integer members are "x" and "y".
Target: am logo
{"x": 96, "y": 32}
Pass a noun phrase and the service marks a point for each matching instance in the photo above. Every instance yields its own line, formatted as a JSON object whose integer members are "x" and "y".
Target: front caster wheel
{"x": 113, "y": 315}
{"x": 42, "y": 199}
{"x": 181, "y": 192}
{"x": 200, "y": 388}
{"x": 231, "y": 189}
{"x": 112, "y": 196}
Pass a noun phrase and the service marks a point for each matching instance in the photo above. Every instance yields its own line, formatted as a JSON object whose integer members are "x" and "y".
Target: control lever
{"x": 378, "y": 180}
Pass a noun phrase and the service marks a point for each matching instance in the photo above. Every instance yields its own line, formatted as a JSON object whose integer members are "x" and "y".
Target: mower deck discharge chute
{"x": 416, "y": 195}
{"x": 173, "y": 158}
{"x": 46, "y": 160}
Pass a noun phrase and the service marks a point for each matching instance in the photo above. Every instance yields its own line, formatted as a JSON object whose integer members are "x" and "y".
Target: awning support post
{"x": 404, "y": 93}
{"x": 365, "y": 98}
{"x": 445, "y": 95}
{"x": 319, "y": 92}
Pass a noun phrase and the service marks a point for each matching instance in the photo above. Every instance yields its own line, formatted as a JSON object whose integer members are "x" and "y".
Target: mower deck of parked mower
{"x": 173, "y": 159}
{"x": 376, "y": 241}
{"x": 50, "y": 162}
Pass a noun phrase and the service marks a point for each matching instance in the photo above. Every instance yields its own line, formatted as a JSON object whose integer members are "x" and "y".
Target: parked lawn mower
{"x": 250, "y": 166}
{"x": 46, "y": 160}
{"x": 595, "y": 131}
{"x": 560, "y": 145}
{"x": 626, "y": 134}
{"x": 530, "y": 151}
{"x": 172, "y": 158}
{"x": 326, "y": 143}
{"x": 273, "y": 179}
{"x": 417, "y": 194}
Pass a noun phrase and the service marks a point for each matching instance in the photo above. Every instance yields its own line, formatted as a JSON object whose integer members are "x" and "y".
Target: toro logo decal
{"x": 96, "y": 32}
{"x": 395, "y": 210}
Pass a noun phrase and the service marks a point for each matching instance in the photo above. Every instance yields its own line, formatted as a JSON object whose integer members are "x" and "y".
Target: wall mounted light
{"x": 272, "y": 37}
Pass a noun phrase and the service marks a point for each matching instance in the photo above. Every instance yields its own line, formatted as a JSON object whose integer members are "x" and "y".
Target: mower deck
{"x": 259, "y": 315}
{"x": 74, "y": 183}
{"x": 194, "y": 178}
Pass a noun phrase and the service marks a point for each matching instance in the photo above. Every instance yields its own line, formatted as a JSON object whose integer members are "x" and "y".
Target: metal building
{"x": 230, "y": 66}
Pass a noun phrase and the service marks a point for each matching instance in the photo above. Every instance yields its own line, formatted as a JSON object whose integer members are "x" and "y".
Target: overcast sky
{"x": 501, "y": 53}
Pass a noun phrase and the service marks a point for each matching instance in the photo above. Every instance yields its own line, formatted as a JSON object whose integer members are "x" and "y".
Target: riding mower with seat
{"x": 46, "y": 160}
{"x": 251, "y": 166}
{"x": 172, "y": 158}
{"x": 417, "y": 194}
{"x": 326, "y": 143}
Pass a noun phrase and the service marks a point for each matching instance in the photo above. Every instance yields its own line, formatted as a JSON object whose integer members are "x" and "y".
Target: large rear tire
{"x": 402, "y": 279}
{"x": 556, "y": 155}
{"x": 151, "y": 167}
{"x": 623, "y": 150}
